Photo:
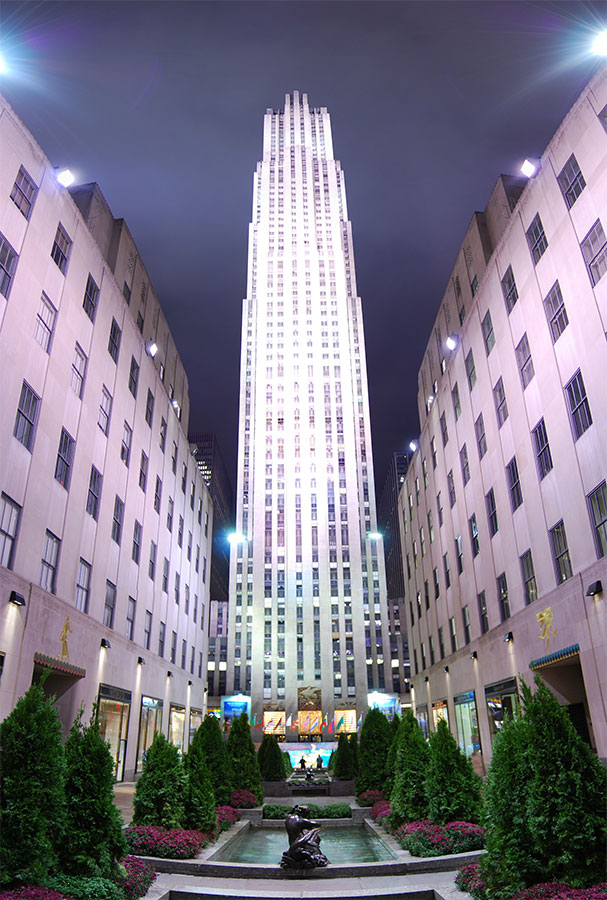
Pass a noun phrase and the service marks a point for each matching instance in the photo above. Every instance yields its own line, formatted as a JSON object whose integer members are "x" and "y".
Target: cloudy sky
{"x": 162, "y": 104}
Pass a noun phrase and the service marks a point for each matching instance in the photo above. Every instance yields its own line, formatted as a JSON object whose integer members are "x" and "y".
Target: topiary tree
{"x": 451, "y": 786}
{"x": 94, "y": 838}
{"x": 32, "y": 789}
{"x": 408, "y": 799}
{"x": 343, "y": 764}
{"x": 218, "y": 760}
{"x": 270, "y": 759}
{"x": 199, "y": 810}
{"x": 244, "y": 759}
{"x": 159, "y": 792}
{"x": 287, "y": 761}
{"x": 374, "y": 745}
{"x": 391, "y": 761}
{"x": 353, "y": 741}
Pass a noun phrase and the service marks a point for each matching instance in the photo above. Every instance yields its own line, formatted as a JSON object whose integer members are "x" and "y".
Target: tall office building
{"x": 308, "y": 624}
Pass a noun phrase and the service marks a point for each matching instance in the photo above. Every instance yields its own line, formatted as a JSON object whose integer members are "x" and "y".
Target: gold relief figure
{"x": 546, "y": 623}
{"x": 63, "y": 638}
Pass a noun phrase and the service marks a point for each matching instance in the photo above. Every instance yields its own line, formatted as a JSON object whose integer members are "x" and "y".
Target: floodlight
{"x": 65, "y": 177}
{"x": 528, "y": 168}
{"x": 599, "y": 44}
{"x": 451, "y": 342}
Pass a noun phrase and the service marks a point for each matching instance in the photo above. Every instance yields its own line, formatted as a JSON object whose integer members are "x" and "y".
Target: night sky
{"x": 162, "y": 104}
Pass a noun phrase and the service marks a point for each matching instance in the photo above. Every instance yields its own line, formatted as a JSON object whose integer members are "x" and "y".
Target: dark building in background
{"x": 212, "y": 467}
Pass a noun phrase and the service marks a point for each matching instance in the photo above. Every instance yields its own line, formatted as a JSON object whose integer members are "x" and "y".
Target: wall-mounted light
{"x": 474, "y": 655}
{"x": 374, "y": 535}
{"x": 508, "y": 637}
{"x": 140, "y": 661}
{"x": 151, "y": 348}
{"x": 446, "y": 670}
{"x": 190, "y": 684}
{"x": 451, "y": 342}
{"x": 105, "y": 644}
{"x": 412, "y": 446}
{"x": 64, "y": 177}
{"x": 529, "y": 168}
{"x": 426, "y": 679}
{"x": 17, "y": 599}
{"x": 595, "y": 588}
{"x": 169, "y": 674}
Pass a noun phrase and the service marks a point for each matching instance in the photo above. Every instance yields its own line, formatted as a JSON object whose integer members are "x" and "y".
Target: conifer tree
{"x": 94, "y": 838}
{"x": 199, "y": 798}
{"x": 218, "y": 760}
{"x": 159, "y": 792}
{"x": 353, "y": 740}
{"x": 408, "y": 799}
{"x": 451, "y": 785}
{"x": 32, "y": 789}
{"x": 391, "y": 761}
{"x": 288, "y": 765}
{"x": 241, "y": 748}
{"x": 374, "y": 744}
{"x": 343, "y": 764}
{"x": 270, "y": 759}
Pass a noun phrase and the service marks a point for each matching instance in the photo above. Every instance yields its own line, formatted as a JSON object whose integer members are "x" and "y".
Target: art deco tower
{"x": 308, "y": 623}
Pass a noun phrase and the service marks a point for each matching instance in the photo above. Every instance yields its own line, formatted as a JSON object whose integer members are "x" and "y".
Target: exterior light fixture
{"x": 412, "y": 446}
{"x": 508, "y": 637}
{"x": 65, "y": 177}
{"x": 140, "y": 661}
{"x": 474, "y": 655}
{"x": 426, "y": 679}
{"x": 431, "y": 398}
{"x": 595, "y": 588}
{"x": 19, "y": 599}
{"x": 237, "y": 538}
{"x": 189, "y": 684}
{"x": 151, "y": 348}
{"x": 599, "y": 44}
{"x": 451, "y": 342}
{"x": 374, "y": 535}
{"x": 169, "y": 674}
{"x": 105, "y": 644}
{"x": 529, "y": 168}
{"x": 446, "y": 670}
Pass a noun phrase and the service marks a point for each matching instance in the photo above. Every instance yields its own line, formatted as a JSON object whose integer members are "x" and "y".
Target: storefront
{"x": 421, "y": 714}
{"x": 150, "y": 721}
{"x": 177, "y": 725}
{"x": 439, "y": 711}
{"x": 466, "y": 723}
{"x": 501, "y": 699}
{"x": 195, "y": 722}
{"x": 113, "y": 710}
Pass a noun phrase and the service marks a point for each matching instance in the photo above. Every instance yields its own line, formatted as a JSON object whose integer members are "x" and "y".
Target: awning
{"x": 573, "y": 650}
{"x": 61, "y": 666}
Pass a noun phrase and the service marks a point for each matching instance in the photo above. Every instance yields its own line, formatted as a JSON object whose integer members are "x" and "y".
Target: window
{"x": 91, "y": 296}
{"x": 126, "y": 292}
{"x": 433, "y": 452}
{"x": 502, "y": 596}
{"x": 542, "y": 449}
{"x": 83, "y": 580}
{"x": 443, "y": 429}
{"x": 470, "y": 370}
{"x": 441, "y": 642}
{"x": 491, "y": 512}
{"x": 61, "y": 248}
{"x": 560, "y": 552}
{"x": 9, "y": 520}
{"x": 474, "y": 541}
{"x": 488, "y": 335}
{"x": 78, "y": 370}
{"x": 594, "y": 249}
{"x": 174, "y": 459}
{"x": 436, "y": 583}
{"x": 463, "y": 458}
{"x": 514, "y": 483}
{"x": 481, "y": 440}
{"x": 509, "y": 289}
{"x": 25, "y": 420}
{"x": 24, "y": 192}
{"x": 117, "y": 519}
{"x": 451, "y": 487}
{"x": 466, "y": 624}
{"x": 149, "y": 408}
{"x": 133, "y": 376}
{"x": 473, "y": 290}
{"x": 152, "y": 562}
{"x": 556, "y": 314}
{"x": 459, "y": 553}
{"x": 597, "y": 501}
{"x": 536, "y": 239}
{"x": 48, "y": 570}
{"x": 571, "y": 181}
{"x": 157, "y": 494}
{"x": 94, "y": 494}
{"x": 136, "y": 551}
{"x": 114, "y": 340}
{"x": 170, "y": 507}
{"x": 147, "y": 630}
{"x": 63, "y": 465}
{"x": 165, "y": 576}
{"x": 8, "y": 264}
{"x": 499, "y": 398}
{"x": 446, "y": 570}
{"x": 528, "y": 572}
{"x": 457, "y": 406}
{"x": 439, "y": 506}
{"x": 180, "y": 532}
{"x": 105, "y": 410}
{"x": 482, "y": 612}
{"x": 163, "y": 434}
{"x": 110, "y": 604}
{"x": 130, "y": 619}
{"x": 453, "y": 634}
{"x": 45, "y": 323}
{"x": 125, "y": 447}
{"x": 579, "y": 408}
{"x": 524, "y": 361}
{"x": 161, "y": 635}
{"x": 143, "y": 472}
{"x": 173, "y": 655}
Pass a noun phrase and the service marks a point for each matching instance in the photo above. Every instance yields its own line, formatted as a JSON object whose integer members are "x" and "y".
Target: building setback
{"x": 503, "y": 514}
{"x": 105, "y": 521}
{"x": 308, "y": 632}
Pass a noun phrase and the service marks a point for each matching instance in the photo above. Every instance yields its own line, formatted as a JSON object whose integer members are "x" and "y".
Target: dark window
{"x": 560, "y": 552}
{"x": 441, "y": 642}
{"x": 117, "y": 519}
{"x": 161, "y": 634}
{"x": 91, "y": 295}
{"x": 436, "y": 584}
{"x": 61, "y": 248}
{"x": 482, "y": 612}
{"x": 457, "y": 406}
{"x": 502, "y": 596}
{"x": 459, "y": 553}
{"x": 125, "y": 447}
{"x": 501, "y": 406}
{"x": 114, "y": 340}
{"x": 451, "y": 486}
{"x": 514, "y": 483}
{"x": 470, "y": 370}
{"x": 110, "y": 604}
{"x": 466, "y": 624}
{"x": 24, "y": 192}
{"x": 491, "y": 512}
{"x": 8, "y": 264}
{"x": 133, "y": 376}
{"x": 554, "y": 306}
{"x": 147, "y": 630}
{"x": 528, "y": 572}
{"x": 509, "y": 289}
{"x": 9, "y": 521}
{"x": 488, "y": 335}
{"x": 94, "y": 493}
{"x": 443, "y": 429}
{"x": 163, "y": 434}
{"x": 463, "y": 458}
{"x": 25, "y": 420}
{"x": 594, "y": 249}
{"x": 63, "y": 466}
{"x": 571, "y": 181}
{"x": 130, "y": 619}
{"x": 579, "y": 408}
{"x": 152, "y": 562}
{"x": 597, "y": 500}
{"x": 136, "y": 550}
{"x": 536, "y": 239}
{"x": 446, "y": 570}
{"x": 542, "y": 449}
{"x": 524, "y": 361}
{"x": 126, "y": 292}
{"x": 481, "y": 440}
{"x": 149, "y": 408}
{"x": 453, "y": 634}
{"x": 157, "y": 494}
{"x": 143, "y": 472}
{"x": 474, "y": 541}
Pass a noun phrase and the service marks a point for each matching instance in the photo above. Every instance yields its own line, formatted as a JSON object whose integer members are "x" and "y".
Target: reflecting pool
{"x": 341, "y": 844}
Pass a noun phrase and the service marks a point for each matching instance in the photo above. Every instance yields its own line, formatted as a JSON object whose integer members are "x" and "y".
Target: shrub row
{"x": 330, "y": 811}
{"x": 429, "y": 839}
{"x": 471, "y": 880}
{"x": 173, "y": 843}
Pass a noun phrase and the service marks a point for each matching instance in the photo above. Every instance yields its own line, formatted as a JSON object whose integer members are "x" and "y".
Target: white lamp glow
{"x": 451, "y": 343}
{"x": 528, "y": 168}
{"x": 412, "y": 446}
{"x": 65, "y": 177}
{"x": 599, "y": 44}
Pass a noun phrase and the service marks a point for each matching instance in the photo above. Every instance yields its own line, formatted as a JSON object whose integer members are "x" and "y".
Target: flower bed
{"x": 32, "y": 892}
{"x": 370, "y": 798}
{"x": 380, "y": 811}
{"x": 429, "y": 839}
{"x": 241, "y": 799}
{"x": 226, "y": 817}
{"x": 174, "y": 843}
{"x": 137, "y": 878}
{"x": 470, "y": 879}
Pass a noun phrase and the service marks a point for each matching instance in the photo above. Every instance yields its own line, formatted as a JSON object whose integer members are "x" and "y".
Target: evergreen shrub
{"x": 270, "y": 759}
{"x": 408, "y": 798}
{"x": 275, "y": 810}
{"x": 451, "y": 785}
{"x": 391, "y": 760}
{"x": 241, "y": 748}
{"x": 218, "y": 760}
{"x": 80, "y": 887}
{"x": 159, "y": 791}
{"x": 344, "y": 767}
{"x": 353, "y": 741}
{"x": 199, "y": 798}
{"x": 375, "y": 739}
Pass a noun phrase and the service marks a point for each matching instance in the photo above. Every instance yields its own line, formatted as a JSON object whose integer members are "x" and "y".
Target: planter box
{"x": 341, "y": 788}
{"x": 276, "y": 789}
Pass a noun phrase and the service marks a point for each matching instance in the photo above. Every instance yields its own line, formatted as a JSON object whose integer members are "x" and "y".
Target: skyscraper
{"x": 308, "y": 624}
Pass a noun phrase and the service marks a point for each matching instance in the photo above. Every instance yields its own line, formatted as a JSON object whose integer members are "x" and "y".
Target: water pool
{"x": 340, "y": 844}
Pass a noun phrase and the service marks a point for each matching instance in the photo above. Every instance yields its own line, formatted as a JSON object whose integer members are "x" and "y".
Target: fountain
{"x": 304, "y": 841}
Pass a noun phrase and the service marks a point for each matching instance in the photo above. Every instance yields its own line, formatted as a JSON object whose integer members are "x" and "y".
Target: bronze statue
{"x": 304, "y": 841}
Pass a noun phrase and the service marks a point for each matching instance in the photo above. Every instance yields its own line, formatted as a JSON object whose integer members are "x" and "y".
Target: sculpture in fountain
{"x": 304, "y": 841}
